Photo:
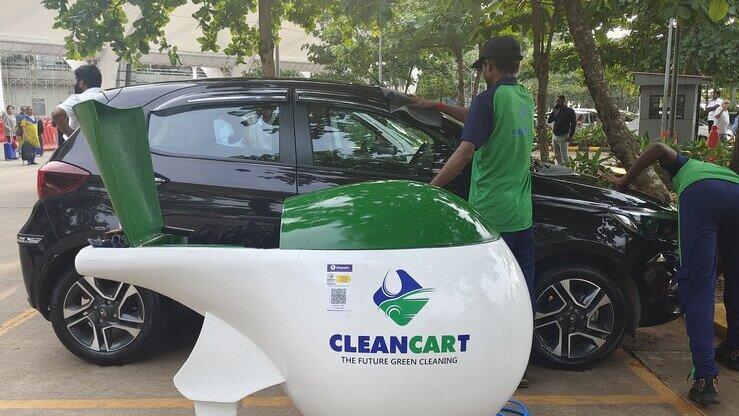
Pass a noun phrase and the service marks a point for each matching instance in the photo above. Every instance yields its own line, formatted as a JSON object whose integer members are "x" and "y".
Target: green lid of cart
{"x": 381, "y": 215}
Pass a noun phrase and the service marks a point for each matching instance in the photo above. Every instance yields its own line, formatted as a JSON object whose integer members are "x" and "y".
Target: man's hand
{"x": 423, "y": 103}
{"x": 618, "y": 181}
{"x": 456, "y": 163}
{"x": 59, "y": 116}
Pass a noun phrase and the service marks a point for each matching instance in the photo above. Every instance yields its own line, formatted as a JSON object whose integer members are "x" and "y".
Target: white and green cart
{"x": 391, "y": 298}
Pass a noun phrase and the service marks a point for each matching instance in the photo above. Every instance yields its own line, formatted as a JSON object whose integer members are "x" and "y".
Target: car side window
{"x": 241, "y": 132}
{"x": 351, "y": 139}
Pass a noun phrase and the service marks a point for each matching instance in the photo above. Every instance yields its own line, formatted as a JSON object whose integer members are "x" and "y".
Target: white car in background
{"x": 586, "y": 116}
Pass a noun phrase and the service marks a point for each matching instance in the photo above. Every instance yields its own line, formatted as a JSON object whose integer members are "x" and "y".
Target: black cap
{"x": 503, "y": 47}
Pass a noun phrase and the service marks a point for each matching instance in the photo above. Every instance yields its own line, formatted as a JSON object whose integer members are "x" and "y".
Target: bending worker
{"x": 708, "y": 207}
{"x": 497, "y": 138}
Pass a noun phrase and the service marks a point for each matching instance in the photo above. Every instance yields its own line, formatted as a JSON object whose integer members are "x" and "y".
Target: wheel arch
{"x": 51, "y": 275}
{"x": 609, "y": 262}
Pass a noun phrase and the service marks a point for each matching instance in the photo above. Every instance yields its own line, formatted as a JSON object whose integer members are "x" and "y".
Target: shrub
{"x": 592, "y": 135}
{"x": 589, "y": 165}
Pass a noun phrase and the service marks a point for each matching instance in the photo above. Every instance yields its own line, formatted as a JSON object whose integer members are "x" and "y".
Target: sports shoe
{"x": 728, "y": 356}
{"x": 705, "y": 391}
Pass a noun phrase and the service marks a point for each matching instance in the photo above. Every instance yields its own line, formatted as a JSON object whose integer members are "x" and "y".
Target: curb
{"x": 719, "y": 320}
{"x": 588, "y": 148}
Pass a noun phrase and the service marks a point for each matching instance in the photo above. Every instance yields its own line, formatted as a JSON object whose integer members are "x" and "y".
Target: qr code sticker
{"x": 338, "y": 296}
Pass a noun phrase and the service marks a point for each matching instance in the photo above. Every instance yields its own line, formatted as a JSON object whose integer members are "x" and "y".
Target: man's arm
{"x": 573, "y": 123}
{"x": 459, "y": 113}
{"x": 712, "y": 105}
{"x": 719, "y": 111}
{"x": 61, "y": 119}
{"x": 550, "y": 119}
{"x": 459, "y": 159}
{"x": 657, "y": 152}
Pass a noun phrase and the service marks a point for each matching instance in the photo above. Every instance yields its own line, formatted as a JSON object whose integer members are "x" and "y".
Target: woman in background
{"x": 29, "y": 140}
{"x": 9, "y": 122}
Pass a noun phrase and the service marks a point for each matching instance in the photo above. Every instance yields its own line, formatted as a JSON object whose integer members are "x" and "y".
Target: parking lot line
{"x": 163, "y": 403}
{"x": 8, "y": 265}
{"x": 17, "y": 320}
{"x": 9, "y": 292}
{"x": 680, "y": 404}
{"x": 592, "y": 400}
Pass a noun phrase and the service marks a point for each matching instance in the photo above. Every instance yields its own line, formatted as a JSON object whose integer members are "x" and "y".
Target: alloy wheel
{"x": 574, "y": 318}
{"x": 103, "y": 315}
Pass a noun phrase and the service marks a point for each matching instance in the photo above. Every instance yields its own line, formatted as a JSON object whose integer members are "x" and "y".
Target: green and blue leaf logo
{"x": 401, "y": 297}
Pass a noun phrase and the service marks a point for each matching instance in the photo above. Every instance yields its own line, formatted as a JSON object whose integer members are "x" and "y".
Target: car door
{"x": 346, "y": 142}
{"x": 224, "y": 158}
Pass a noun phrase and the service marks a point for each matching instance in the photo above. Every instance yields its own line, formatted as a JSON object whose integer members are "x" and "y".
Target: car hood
{"x": 589, "y": 188}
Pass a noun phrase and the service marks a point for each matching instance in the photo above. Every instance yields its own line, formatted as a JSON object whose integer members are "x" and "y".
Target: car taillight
{"x": 59, "y": 177}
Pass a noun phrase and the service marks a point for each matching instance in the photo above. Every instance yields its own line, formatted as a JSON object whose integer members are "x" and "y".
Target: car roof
{"x": 141, "y": 95}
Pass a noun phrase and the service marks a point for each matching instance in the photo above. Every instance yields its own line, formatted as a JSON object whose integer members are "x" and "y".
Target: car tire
{"x": 105, "y": 322}
{"x": 580, "y": 317}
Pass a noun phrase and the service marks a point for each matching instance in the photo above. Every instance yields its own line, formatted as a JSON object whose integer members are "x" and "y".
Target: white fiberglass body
{"x": 455, "y": 341}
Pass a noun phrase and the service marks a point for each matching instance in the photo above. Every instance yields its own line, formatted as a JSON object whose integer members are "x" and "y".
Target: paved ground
{"x": 39, "y": 377}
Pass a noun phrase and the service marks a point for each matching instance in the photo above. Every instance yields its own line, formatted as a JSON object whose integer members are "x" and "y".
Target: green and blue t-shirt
{"x": 500, "y": 123}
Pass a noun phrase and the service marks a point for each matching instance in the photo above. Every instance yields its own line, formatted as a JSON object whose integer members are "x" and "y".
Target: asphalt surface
{"x": 39, "y": 377}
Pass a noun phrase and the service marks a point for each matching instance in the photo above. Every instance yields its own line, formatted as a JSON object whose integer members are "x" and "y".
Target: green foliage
{"x": 592, "y": 135}
{"x": 93, "y": 23}
{"x": 588, "y": 164}
{"x": 699, "y": 150}
{"x": 425, "y": 35}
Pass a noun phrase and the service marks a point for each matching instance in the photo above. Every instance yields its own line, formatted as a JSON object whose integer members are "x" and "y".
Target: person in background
{"x": 86, "y": 87}
{"x": 735, "y": 126}
{"x": 722, "y": 120}
{"x": 40, "y": 126}
{"x": 29, "y": 140}
{"x": 712, "y": 106}
{"x": 565, "y": 122}
{"x": 10, "y": 123}
{"x": 19, "y": 116}
{"x": 708, "y": 203}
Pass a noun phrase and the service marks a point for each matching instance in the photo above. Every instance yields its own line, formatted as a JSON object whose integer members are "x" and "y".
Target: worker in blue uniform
{"x": 708, "y": 218}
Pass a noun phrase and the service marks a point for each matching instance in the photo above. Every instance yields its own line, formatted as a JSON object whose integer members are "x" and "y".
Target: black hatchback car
{"x": 231, "y": 150}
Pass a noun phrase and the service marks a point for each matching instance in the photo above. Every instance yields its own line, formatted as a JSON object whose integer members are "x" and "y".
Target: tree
{"x": 541, "y": 20}
{"x": 621, "y": 141}
{"x": 708, "y": 47}
{"x": 349, "y": 51}
{"x": 608, "y": 14}
{"x": 94, "y": 23}
{"x": 412, "y": 32}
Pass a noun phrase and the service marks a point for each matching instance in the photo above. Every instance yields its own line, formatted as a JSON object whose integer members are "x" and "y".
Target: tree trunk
{"x": 623, "y": 145}
{"x": 476, "y": 87}
{"x": 460, "y": 75}
{"x": 541, "y": 68}
{"x": 266, "y": 39}
{"x": 409, "y": 79}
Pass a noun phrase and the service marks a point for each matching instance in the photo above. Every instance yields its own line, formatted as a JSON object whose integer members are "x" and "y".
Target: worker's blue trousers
{"x": 709, "y": 218}
{"x": 521, "y": 244}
